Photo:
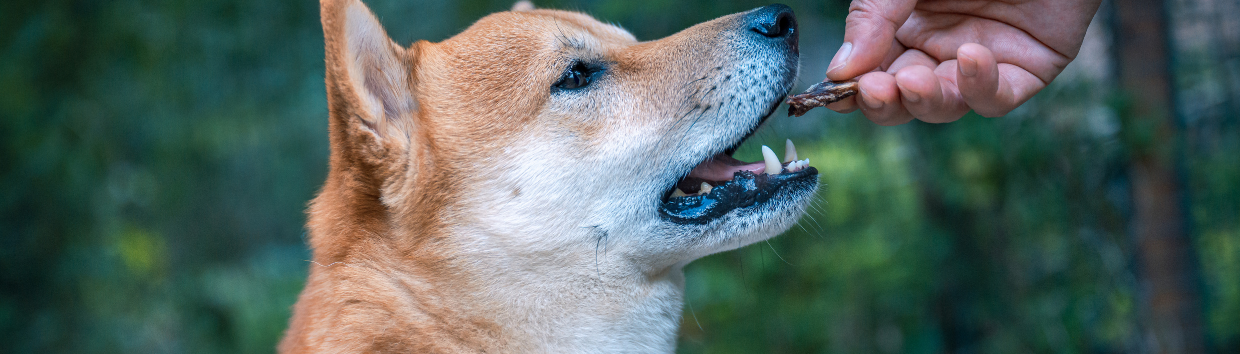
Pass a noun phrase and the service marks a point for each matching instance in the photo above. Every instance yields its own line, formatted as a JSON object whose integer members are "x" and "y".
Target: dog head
{"x": 536, "y": 182}
{"x": 543, "y": 136}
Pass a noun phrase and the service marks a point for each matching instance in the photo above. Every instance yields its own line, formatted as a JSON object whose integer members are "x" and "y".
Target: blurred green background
{"x": 156, "y": 158}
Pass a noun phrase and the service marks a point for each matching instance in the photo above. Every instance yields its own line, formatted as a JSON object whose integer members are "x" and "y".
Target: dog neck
{"x": 435, "y": 285}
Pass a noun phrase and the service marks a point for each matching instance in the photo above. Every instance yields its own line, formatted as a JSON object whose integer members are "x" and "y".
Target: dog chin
{"x": 744, "y": 226}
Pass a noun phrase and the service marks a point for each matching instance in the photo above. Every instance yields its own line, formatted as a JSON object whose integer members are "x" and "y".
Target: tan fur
{"x": 420, "y": 234}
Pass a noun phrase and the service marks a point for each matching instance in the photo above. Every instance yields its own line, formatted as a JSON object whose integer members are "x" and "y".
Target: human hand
{"x": 934, "y": 60}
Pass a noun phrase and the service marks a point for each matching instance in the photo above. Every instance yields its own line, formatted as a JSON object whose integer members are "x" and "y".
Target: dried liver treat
{"x": 821, "y": 94}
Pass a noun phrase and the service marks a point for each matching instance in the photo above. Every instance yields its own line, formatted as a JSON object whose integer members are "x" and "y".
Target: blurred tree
{"x": 1167, "y": 264}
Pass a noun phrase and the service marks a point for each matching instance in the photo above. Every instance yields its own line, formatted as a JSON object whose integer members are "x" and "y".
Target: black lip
{"x": 744, "y": 190}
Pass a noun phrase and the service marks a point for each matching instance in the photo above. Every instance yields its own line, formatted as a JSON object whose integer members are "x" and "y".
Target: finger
{"x": 911, "y": 57}
{"x": 894, "y": 53}
{"x": 879, "y": 99}
{"x": 992, "y": 89}
{"x": 977, "y": 75}
{"x": 869, "y": 32}
{"x": 882, "y": 93}
{"x": 846, "y": 105}
{"x": 921, "y": 93}
{"x": 849, "y": 104}
{"x": 927, "y": 96}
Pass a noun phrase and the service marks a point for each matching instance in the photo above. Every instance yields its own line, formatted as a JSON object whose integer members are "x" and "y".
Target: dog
{"x": 537, "y": 182}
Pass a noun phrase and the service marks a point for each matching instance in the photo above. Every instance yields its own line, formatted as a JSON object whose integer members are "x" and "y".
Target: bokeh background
{"x": 156, "y": 157}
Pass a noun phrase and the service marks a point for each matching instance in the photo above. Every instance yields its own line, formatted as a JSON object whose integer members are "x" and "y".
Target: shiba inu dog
{"x": 537, "y": 182}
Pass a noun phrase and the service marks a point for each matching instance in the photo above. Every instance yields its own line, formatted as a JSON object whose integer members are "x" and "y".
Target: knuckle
{"x": 871, "y": 16}
{"x": 938, "y": 118}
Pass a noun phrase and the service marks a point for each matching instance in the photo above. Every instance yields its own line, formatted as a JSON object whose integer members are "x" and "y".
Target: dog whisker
{"x": 768, "y": 244}
{"x": 694, "y": 313}
{"x": 600, "y": 241}
{"x": 329, "y": 265}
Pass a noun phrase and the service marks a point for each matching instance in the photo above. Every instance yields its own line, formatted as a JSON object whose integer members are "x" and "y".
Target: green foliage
{"x": 154, "y": 157}
{"x": 157, "y": 158}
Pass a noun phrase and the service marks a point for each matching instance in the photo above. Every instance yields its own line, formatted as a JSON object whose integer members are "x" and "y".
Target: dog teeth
{"x": 702, "y": 190}
{"x": 790, "y": 151}
{"x": 798, "y": 165}
{"x": 772, "y": 163}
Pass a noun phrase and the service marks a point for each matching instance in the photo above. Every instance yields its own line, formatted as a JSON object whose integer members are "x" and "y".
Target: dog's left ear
{"x": 369, "y": 72}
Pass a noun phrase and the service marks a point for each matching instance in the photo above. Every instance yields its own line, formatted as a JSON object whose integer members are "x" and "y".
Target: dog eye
{"x": 577, "y": 76}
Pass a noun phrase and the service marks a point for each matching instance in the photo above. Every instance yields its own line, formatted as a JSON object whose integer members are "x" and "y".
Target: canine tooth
{"x": 790, "y": 151}
{"x": 772, "y": 162}
{"x": 705, "y": 188}
{"x": 679, "y": 193}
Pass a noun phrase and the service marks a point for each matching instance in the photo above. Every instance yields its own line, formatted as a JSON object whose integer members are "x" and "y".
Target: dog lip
{"x": 746, "y": 189}
{"x": 748, "y": 185}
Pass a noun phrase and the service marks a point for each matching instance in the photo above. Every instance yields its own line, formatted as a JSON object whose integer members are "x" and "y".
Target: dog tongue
{"x": 721, "y": 167}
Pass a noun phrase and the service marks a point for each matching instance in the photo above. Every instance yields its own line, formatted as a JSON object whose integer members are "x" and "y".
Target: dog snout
{"x": 776, "y": 22}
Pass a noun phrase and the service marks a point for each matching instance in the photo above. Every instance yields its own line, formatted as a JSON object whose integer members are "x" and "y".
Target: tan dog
{"x": 537, "y": 182}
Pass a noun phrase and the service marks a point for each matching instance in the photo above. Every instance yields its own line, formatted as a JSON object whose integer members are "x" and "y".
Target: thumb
{"x": 868, "y": 33}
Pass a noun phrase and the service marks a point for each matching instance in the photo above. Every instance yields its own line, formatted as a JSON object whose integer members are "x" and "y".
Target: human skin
{"x": 934, "y": 60}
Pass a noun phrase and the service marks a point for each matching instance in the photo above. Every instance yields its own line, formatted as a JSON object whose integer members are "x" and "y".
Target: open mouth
{"x": 721, "y": 183}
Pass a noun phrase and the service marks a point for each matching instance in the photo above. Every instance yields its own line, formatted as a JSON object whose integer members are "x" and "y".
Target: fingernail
{"x": 872, "y": 103}
{"x": 968, "y": 66}
{"x": 908, "y": 95}
{"x": 841, "y": 57}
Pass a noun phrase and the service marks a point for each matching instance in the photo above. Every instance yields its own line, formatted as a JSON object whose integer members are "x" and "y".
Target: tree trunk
{"x": 1166, "y": 263}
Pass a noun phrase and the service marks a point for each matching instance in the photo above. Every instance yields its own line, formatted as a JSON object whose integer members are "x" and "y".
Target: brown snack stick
{"x": 819, "y": 95}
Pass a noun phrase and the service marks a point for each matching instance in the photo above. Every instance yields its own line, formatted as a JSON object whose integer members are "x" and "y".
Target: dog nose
{"x": 775, "y": 22}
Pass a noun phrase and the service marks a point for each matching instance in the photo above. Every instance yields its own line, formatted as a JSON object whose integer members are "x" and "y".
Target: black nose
{"x": 776, "y": 22}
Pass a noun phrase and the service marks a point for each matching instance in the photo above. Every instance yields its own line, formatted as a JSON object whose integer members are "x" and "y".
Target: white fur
{"x": 582, "y": 261}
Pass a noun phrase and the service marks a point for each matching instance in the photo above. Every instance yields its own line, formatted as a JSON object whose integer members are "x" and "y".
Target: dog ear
{"x": 523, "y": 5}
{"x": 366, "y": 70}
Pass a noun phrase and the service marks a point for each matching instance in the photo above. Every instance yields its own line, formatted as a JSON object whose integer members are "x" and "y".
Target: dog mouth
{"x": 721, "y": 183}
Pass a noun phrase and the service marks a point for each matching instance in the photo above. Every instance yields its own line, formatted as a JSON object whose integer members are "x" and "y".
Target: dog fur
{"x": 472, "y": 207}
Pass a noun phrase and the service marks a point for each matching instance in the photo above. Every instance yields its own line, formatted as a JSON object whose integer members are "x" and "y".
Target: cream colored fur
{"x": 472, "y": 208}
